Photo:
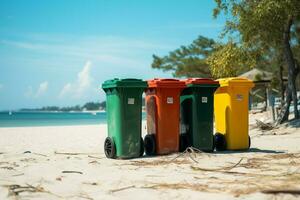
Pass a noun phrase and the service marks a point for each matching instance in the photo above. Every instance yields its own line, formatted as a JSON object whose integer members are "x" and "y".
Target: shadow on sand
{"x": 294, "y": 123}
{"x": 251, "y": 150}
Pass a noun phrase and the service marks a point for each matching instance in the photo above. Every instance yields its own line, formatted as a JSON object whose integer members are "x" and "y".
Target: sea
{"x": 29, "y": 119}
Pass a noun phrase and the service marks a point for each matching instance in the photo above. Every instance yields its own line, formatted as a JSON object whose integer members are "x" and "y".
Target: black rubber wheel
{"x": 249, "y": 139}
{"x": 109, "y": 148}
{"x": 220, "y": 142}
{"x": 141, "y": 147}
{"x": 183, "y": 142}
{"x": 214, "y": 144}
{"x": 150, "y": 146}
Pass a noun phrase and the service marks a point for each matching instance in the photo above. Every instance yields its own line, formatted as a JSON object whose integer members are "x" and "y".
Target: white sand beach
{"x": 67, "y": 162}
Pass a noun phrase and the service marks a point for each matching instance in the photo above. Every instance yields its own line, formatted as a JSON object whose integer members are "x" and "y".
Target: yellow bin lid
{"x": 236, "y": 81}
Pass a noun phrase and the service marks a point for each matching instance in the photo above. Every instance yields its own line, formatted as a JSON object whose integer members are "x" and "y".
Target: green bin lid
{"x": 192, "y": 82}
{"x": 127, "y": 82}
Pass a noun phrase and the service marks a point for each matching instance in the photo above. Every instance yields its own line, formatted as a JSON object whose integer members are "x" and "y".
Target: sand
{"x": 67, "y": 162}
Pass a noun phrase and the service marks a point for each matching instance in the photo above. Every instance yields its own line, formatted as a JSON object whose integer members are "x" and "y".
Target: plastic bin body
{"x": 163, "y": 112}
{"x": 231, "y": 102}
{"x": 124, "y": 114}
{"x": 197, "y": 107}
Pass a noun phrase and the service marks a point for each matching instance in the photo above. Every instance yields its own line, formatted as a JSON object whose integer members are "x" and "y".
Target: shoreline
{"x": 62, "y": 125}
{"x": 41, "y": 119}
{"x": 49, "y": 126}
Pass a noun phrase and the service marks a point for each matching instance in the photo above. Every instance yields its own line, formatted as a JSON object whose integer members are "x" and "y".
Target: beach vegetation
{"x": 89, "y": 106}
{"x": 262, "y": 34}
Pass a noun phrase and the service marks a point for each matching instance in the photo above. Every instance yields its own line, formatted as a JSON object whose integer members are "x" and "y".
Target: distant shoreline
{"x": 52, "y": 111}
{"x": 53, "y": 118}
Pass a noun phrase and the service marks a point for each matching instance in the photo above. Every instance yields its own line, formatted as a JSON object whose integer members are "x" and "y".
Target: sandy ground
{"x": 68, "y": 163}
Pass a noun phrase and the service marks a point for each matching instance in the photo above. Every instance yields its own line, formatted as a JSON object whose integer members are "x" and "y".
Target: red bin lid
{"x": 199, "y": 81}
{"x": 166, "y": 82}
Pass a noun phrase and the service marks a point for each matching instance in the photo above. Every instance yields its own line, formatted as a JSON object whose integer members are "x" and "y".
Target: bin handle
{"x": 239, "y": 79}
{"x": 200, "y": 79}
{"x": 167, "y": 79}
{"x": 131, "y": 79}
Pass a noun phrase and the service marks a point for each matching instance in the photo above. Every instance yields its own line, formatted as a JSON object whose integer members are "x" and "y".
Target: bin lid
{"x": 236, "y": 81}
{"x": 127, "y": 82}
{"x": 166, "y": 82}
{"x": 200, "y": 81}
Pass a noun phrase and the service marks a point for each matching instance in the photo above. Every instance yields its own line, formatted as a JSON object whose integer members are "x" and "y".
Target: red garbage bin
{"x": 163, "y": 113}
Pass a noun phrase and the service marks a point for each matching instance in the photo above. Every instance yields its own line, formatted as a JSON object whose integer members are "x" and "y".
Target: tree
{"x": 91, "y": 106}
{"x": 102, "y": 105}
{"x": 230, "y": 60}
{"x": 269, "y": 25}
{"x": 188, "y": 61}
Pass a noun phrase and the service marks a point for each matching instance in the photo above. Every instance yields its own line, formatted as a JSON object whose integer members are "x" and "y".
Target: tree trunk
{"x": 285, "y": 111}
{"x": 282, "y": 89}
{"x": 292, "y": 72}
{"x": 266, "y": 98}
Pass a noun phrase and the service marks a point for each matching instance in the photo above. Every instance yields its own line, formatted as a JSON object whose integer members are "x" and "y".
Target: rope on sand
{"x": 191, "y": 151}
{"x": 218, "y": 169}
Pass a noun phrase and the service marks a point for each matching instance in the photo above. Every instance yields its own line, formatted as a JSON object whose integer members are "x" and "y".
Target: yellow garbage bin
{"x": 231, "y": 102}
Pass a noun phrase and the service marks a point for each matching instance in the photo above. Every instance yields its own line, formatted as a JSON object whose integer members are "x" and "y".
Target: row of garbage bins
{"x": 180, "y": 114}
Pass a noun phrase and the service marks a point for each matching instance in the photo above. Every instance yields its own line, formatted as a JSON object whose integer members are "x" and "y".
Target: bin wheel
{"x": 141, "y": 147}
{"x": 220, "y": 142}
{"x": 150, "y": 146}
{"x": 183, "y": 142}
{"x": 249, "y": 139}
{"x": 214, "y": 144}
{"x": 109, "y": 148}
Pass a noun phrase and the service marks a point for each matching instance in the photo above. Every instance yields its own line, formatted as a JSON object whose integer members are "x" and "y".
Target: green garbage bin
{"x": 124, "y": 117}
{"x": 196, "y": 110}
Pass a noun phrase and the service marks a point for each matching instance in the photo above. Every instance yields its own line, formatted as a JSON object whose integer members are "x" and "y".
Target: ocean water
{"x": 27, "y": 119}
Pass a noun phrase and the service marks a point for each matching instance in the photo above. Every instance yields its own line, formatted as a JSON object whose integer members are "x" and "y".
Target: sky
{"x": 59, "y": 52}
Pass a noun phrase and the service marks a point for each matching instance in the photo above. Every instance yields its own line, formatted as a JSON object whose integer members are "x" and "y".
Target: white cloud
{"x": 84, "y": 79}
{"x": 66, "y": 90}
{"x": 106, "y": 49}
{"x": 81, "y": 86}
{"x": 43, "y": 87}
{"x": 24, "y": 45}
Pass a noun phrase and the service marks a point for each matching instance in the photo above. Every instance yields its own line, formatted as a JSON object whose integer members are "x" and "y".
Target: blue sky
{"x": 58, "y": 52}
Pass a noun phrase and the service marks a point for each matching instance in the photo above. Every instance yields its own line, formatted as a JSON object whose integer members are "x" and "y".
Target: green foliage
{"x": 271, "y": 26}
{"x": 49, "y": 108}
{"x": 206, "y": 58}
{"x": 87, "y": 106}
{"x": 260, "y": 23}
{"x": 91, "y": 106}
{"x": 257, "y": 30}
{"x": 187, "y": 61}
{"x": 230, "y": 60}
{"x": 71, "y": 108}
